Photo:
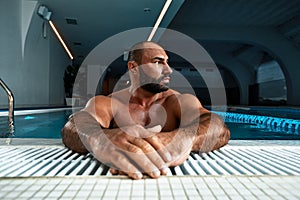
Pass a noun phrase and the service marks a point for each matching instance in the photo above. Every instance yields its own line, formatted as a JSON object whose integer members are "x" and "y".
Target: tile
{"x": 210, "y": 197}
{"x": 12, "y": 195}
{"x": 178, "y": 192}
{"x": 55, "y": 194}
{"x": 151, "y": 198}
{"x": 204, "y": 187}
{"x": 69, "y": 194}
{"x": 83, "y": 193}
{"x": 124, "y": 193}
{"x": 180, "y": 197}
{"x": 41, "y": 194}
{"x": 250, "y": 197}
{"x": 192, "y": 192}
{"x": 245, "y": 192}
{"x": 236, "y": 197}
{"x": 223, "y": 197}
{"x": 292, "y": 197}
{"x": 27, "y": 194}
{"x": 165, "y": 193}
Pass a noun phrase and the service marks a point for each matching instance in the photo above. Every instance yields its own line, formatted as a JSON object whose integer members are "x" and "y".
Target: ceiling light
{"x": 77, "y": 43}
{"x": 72, "y": 21}
{"x": 159, "y": 19}
{"x": 44, "y": 13}
{"x": 147, "y": 10}
{"x": 60, "y": 39}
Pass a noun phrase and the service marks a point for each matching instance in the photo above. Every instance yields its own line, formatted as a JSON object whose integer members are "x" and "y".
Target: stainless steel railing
{"x": 10, "y": 110}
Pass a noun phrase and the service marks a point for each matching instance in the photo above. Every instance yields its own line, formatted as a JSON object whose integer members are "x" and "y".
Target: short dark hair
{"x": 136, "y": 51}
{"x": 135, "y": 55}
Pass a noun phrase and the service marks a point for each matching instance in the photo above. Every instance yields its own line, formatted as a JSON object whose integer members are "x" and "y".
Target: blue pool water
{"x": 41, "y": 125}
{"x": 248, "y": 131}
{"x": 285, "y": 112}
{"x": 49, "y": 125}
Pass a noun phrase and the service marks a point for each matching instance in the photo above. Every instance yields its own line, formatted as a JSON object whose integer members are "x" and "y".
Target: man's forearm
{"x": 77, "y": 129}
{"x": 209, "y": 131}
{"x": 212, "y": 133}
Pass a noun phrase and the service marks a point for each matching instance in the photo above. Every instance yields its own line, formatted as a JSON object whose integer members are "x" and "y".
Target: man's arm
{"x": 210, "y": 131}
{"x": 199, "y": 130}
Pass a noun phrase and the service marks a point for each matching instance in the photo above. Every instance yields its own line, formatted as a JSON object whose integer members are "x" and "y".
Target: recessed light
{"x": 71, "y": 21}
{"x": 147, "y": 10}
{"x": 77, "y": 43}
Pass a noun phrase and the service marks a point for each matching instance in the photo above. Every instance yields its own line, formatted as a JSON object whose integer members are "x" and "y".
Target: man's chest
{"x": 148, "y": 117}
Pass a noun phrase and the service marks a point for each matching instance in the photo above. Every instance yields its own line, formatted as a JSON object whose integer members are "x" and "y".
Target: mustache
{"x": 163, "y": 77}
{"x": 145, "y": 78}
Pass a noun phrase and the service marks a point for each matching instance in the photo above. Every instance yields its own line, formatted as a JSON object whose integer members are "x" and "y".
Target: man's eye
{"x": 158, "y": 64}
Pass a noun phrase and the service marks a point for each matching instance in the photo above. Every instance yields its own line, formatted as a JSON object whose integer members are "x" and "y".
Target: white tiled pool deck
{"x": 181, "y": 187}
{"x": 187, "y": 187}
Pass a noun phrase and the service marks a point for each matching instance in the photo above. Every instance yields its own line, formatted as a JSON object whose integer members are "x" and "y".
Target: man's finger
{"x": 151, "y": 153}
{"x": 114, "y": 171}
{"x": 119, "y": 162}
{"x": 143, "y": 162}
{"x": 160, "y": 148}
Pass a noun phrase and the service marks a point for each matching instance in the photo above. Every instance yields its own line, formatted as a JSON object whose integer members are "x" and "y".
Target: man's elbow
{"x": 71, "y": 139}
{"x": 224, "y": 137}
{"x": 217, "y": 134}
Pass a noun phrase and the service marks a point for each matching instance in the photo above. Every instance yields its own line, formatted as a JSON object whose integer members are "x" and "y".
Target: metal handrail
{"x": 10, "y": 109}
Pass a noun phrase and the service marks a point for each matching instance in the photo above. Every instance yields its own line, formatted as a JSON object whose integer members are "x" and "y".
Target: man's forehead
{"x": 146, "y": 45}
{"x": 150, "y": 50}
{"x": 158, "y": 54}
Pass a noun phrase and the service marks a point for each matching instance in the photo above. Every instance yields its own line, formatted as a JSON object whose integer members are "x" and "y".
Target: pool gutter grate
{"x": 229, "y": 160}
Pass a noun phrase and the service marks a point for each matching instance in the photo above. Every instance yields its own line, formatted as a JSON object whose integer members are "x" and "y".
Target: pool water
{"x": 49, "y": 125}
{"x": 42, "y": 125}
{"x": 289, "y": 113}
{"x": 248, "y": 131}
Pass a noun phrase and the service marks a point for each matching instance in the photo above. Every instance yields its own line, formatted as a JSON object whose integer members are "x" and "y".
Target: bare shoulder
{"x": 189, "y": 100}
{"x": 96, "y": 101}
{"x": 185, "y": 102}
{"x": 120, "y": 96}
{"x": 183, "y": 99}
{"x": 100, "y": 108}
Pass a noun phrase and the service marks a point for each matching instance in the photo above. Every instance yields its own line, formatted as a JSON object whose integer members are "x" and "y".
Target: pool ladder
{"x": 10, "y": 111}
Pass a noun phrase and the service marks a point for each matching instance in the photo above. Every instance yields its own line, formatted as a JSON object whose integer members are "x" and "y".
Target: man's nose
{"x": 167, "y": 69}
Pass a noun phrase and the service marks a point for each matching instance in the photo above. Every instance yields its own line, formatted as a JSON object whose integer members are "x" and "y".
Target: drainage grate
{"x": 229, "y": 160}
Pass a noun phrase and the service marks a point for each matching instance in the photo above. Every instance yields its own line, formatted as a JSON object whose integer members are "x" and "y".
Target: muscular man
{"x": 147, "y": 127}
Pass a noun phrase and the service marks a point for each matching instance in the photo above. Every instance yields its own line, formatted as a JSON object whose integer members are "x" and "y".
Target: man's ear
{"x": 132, "y": 66}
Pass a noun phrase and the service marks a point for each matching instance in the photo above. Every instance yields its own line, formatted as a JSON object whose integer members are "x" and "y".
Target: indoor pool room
{"x": 183, "y": 99}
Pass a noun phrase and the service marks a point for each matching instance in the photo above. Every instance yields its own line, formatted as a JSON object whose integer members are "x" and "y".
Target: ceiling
{"x": 98, "y": 20}
{"x": 281, "y": 15}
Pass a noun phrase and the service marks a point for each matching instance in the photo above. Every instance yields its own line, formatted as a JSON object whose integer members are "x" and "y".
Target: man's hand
{"x": 124, "y": 149}
{"x": 177, "y": 144}
{"x": 124, "y": 152}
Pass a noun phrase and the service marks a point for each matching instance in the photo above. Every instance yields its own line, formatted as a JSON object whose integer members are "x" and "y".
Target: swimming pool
{"x": 48, "y": 124}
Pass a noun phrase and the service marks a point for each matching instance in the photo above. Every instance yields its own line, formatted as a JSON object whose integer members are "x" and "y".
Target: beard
{"x": 151, "y": 84}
